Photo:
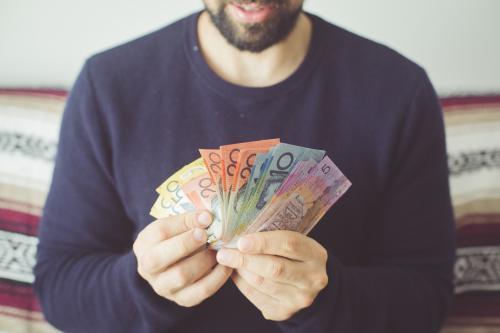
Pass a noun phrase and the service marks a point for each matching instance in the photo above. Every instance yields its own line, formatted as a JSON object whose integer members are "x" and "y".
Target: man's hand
{"x": 171, "y": 257}
{"x": 280, "y": 272}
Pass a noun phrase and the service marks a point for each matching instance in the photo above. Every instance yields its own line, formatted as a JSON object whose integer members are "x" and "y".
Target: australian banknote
{"x": 254, "y": 186}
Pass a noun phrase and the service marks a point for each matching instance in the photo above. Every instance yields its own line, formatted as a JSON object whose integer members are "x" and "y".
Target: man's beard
{"x": 256, "y": 37}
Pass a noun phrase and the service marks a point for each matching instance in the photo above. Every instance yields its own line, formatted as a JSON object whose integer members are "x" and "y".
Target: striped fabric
{"x": 29, "y": 125}
{"x": 473, "y": 137}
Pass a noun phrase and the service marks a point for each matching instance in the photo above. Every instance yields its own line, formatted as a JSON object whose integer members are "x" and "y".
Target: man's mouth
{"x": 250, "y": 12}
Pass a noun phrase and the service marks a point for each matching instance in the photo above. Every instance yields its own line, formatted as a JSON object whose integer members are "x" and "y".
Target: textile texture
{"x": 473, "y": 138}
{"x": 29, "y": 125}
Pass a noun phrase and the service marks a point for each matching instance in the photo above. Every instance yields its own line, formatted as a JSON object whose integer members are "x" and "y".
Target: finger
{"x": 204, "y": 288}
{"x": 185, "y": 272}
{"x": 287, "y": 294}
{"x": 271, "y": 288}
{"x": 168, "y": 227}
{"x": 167, "y": 252}
{"x": 272, "y": 267}
{"x": 268, "y": 305}
{"x": 289, "y": 244}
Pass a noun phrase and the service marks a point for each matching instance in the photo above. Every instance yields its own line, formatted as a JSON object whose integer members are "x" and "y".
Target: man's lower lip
{"x": 247, "y": 16}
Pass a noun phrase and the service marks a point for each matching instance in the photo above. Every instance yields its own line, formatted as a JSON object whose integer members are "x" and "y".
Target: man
{"x": 381, "y": 259}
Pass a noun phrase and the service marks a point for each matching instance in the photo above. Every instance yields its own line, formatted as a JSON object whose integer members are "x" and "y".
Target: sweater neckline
{"x": 234, "y": 91}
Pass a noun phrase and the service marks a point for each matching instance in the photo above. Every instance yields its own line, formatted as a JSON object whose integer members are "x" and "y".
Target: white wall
{"x": 43, "y": 43}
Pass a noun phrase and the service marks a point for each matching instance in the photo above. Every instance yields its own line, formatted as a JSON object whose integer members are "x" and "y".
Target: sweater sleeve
{"x": 406, "y": 285}
{"x": 86, "y": 274}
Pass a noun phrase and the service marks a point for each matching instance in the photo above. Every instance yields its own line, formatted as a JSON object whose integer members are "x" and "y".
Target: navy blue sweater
{"x": 140, "y": 111}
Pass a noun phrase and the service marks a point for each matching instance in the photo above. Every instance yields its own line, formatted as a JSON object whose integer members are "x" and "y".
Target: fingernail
{"x": 204, "y": 219}
{"x": 244, "y": 244}
{"x": 224, "y": 257}
{"x": 200, "y": 235}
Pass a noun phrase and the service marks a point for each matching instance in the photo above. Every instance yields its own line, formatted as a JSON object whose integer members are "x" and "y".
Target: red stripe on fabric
{"x": 470, "y": 219}
{"x": 19, "y": 222}
{"x": 478, "y": 304}
{"x": 25, "y": 302}
{"x": 34, "y": 92}
{"x": 16, "y": 216}
{"x": 21, "y": 296}
{"x": 486, "y": 234}
{"x": 469, "y": 100}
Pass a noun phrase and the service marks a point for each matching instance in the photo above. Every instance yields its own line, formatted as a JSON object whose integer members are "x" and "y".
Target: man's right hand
{"x": 170, "y": 258}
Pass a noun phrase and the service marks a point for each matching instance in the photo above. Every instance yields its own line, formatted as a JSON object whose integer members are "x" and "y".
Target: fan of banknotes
{"x": 254, "y": 186}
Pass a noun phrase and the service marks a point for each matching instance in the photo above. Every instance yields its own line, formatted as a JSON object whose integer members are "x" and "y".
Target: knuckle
{"x": 323, "y": 254}
{"x": 141, "y": 272}
{"x": 161, "y": 288}
{"x": 305, "y": 301}
{"x": 157, "y": 228}
{"x": 193, "y": 302}
{"x": 259, "y": 243}
{"x": 323, "y": 280}
{"x": 148, "y": 262}
{"x": 162, "y": 233}
{"x": 277, "y": 269}
{"x": 205, "y": 292}
{"x": 243, "y": 261}
{"x": 277, "y": 315}
{"x": 183, "y": 246}
{"x": 320, "y": 281}
{"x": 187, "y": 301}
{"x": 249, "y": 291}
{"x": 180, "y": 301}
{"x": 160, "y": 229}
{"x": 184, "y": 302}
{"x": 258, "y": 280}
{"x": 291, "y": 245}
{"x": 136, "y": 246}
{"x": 179, "y": 276}
{"x": 186, "y": 222}
{"x": 285, "y": 315}
{"x": 189, "y": 220}
{"x": 267, "y": 315}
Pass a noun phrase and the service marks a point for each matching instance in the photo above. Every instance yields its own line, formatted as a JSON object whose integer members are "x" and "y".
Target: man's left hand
{"x": 280, "y": 272}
